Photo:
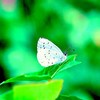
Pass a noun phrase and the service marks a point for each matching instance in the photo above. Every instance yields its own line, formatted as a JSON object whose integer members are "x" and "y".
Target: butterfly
{"x": 48, "y": 53}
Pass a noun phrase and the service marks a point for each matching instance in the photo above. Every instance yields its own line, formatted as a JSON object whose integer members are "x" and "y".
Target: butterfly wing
{"x": 48, "y": 53}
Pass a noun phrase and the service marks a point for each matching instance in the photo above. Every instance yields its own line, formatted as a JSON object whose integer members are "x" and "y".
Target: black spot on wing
{"x": 48, "y": 43}
{"x": 48, "y": 62}
{"x": 50, "y": 47}
{"x": 61, "y": 59}
{"x": 53, "y": 57}
{"x": 43, "y": 46}
{"x": 56, "y": 53}
{"x": 52, "y": 63}
{"x": 40, "y": 47}
{"x": 48, "y": 50}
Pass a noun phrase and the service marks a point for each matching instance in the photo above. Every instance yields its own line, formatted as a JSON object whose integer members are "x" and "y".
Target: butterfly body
{"x": 48, "y": 53}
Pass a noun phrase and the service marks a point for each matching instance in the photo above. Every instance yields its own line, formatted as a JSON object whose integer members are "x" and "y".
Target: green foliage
{"x": 38, "y": 90}
{"x": 73, "y": 24}
{"x": 41, "y": 91}
{"x": 47, "y": 73}
{"x": 6, "y": 95}
{"x": 63, "y": 97}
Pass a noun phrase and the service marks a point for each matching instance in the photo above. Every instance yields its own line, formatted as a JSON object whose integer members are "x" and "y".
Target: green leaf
{"x": 70, "y": 62}
{"x": 47, "y": 73}
{"x": 40, "y": 91}
{"x": 63, "y": 97}
{"x": 6, "y": 95}
{"x": 78, "y": 94}
{"x": 37, "y": 76}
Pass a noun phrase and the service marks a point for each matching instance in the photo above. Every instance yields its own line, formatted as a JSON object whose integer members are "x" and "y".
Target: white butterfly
{"x": 48, "y": 53}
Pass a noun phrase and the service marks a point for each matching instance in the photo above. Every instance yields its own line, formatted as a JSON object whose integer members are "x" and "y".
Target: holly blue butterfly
{"x": 48, "y": 53}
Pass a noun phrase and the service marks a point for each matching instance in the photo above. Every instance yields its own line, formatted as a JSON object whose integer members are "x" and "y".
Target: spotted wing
{"x": 48, "y": 53}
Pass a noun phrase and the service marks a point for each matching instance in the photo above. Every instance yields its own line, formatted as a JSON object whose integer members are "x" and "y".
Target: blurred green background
{"x": 73, "y": 25}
